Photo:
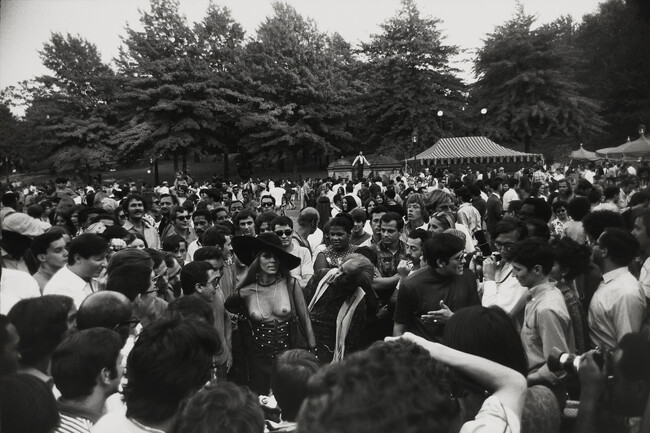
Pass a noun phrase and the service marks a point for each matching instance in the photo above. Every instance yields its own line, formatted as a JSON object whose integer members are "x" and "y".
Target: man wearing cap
{"x": 86, "y": 259}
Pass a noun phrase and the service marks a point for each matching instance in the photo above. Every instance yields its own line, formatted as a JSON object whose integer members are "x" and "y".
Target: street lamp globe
{"x": 483, "y": 110}
{"x": 440, "y": 113}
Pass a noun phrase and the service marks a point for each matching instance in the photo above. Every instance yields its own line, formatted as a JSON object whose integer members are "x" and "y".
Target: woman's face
{"x": 269, "y": 263}
{"x": 436, "y": 226}
{"x": 137, "y": 244}
{"x": 370, "y": 206}
{"x": 60, "y": 220}
{"x": 339, "y": 238}
{"x": 344, "y": 205}
{"x": 75, "y": 218}
{"x": 181, "y": 251}
{"x": 379, "y": 199}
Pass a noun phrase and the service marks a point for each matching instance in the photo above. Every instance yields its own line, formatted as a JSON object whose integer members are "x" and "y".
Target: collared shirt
{"x": 539, "y": 176}
{"x": 509, "y": 196}
{"x": 506, "y": 293}
{"x": 469, "y": 216}
{"x": 547, "y": 324}
{"x": 67, "y": 283}
{"x": 305, "y": 271}
{"x": 387, "y": 260}
{"x": 149, "y": 232}
{"x": 617, "y": 308}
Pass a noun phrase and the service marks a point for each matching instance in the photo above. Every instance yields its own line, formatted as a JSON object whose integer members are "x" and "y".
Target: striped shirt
{"x": 75, "y": 419}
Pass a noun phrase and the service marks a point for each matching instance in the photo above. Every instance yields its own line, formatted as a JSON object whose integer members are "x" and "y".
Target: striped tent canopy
{"x": 639, "y": 148}
{"x": 473, "y": 149}
{"x": 584, "y": 155}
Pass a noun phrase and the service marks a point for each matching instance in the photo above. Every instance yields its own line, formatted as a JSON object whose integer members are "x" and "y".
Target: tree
{"x": 170, "y": 86}
{"x": 525, "y": 79}
{"x": 14, "y": 137}
{"x": 408, "y": 81}
{"x": 614, "y": 45}
{"x": 220, "y": 45}
{"x": 298, "y": 90}
{"x": 69, "y": 110}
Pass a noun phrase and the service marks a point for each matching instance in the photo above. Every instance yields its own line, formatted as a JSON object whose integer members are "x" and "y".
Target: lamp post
{"x": 483, "y": 113}
{"x": 440, "y": 113}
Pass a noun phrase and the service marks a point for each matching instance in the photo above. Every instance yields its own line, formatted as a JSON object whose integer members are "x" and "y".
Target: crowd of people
{"x": 434, "y": 301}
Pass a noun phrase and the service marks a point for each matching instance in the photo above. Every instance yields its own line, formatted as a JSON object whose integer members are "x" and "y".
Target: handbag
{"x": 297, "y": 334}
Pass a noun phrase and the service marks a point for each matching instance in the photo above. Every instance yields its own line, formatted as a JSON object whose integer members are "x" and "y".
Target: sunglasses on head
{"x": 283, "y": 232}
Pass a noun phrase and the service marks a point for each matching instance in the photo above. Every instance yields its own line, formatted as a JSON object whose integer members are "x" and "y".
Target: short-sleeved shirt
{"x": 422, "y": 292}
{"x": 387, "y": 261}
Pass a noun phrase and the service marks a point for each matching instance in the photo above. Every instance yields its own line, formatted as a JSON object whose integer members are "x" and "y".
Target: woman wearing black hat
{"x": 270, "y": 304}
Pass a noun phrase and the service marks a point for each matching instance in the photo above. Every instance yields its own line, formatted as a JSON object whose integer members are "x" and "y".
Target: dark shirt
{"x": 386, "y": 260}
{"x": 422, "y": 292}
{"x": 480, "y": 205}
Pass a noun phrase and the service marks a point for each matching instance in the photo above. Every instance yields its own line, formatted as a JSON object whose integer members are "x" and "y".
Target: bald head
{"x": 105, "y": 309}
{"x": 308, "y": 217}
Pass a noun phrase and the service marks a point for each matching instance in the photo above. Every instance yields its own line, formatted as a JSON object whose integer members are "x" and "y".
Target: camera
{"x": 562, "y": 361}
{"x": 479, "y": 258}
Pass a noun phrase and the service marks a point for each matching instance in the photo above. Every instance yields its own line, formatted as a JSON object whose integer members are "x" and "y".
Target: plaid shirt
{"x": 386, "y": 260}
{"x": 539, "y": 176}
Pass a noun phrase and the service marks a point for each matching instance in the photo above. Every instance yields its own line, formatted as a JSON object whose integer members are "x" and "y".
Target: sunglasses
{"x": 183, "y": 217}
{"x": 267, "y": 204}
{"x": 283, "y": 232}
{"x": 122, "y": 216}
{"x": 131, "y": 324}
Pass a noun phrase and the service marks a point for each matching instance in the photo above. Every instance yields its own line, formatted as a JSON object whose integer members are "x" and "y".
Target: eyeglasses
{"x": 132, "y": 323}
{"x": 461, "y": 257}
{"x": 183, "y": 217}
{"x": 267, "y": 204}
{"x": 506, "y": 245}
{"x": 122, "y": 216}
{"x": 287, "y": 232}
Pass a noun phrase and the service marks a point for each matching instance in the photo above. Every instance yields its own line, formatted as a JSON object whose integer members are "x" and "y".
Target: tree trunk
{"x": 294, "y": 169}
{"x": 185, "y": 161}
{"x": 175, "y": 162}
{"x": 226, "y": 165}
{"x": 156, "y": 174}
{"x": 527, "y": 143}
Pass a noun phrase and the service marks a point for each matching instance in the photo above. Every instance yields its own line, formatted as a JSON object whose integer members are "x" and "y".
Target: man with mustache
{"x": 135, "y": 209}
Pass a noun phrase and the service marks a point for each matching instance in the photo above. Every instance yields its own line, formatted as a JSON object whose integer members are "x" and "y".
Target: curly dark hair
{"x": 390, "y": 387}
{"x": 222, "y": 407}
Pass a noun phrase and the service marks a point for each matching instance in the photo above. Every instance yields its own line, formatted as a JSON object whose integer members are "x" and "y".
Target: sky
{"x": 25, "y": 25}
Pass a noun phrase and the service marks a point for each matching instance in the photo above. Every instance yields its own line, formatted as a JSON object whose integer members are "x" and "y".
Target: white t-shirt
{"x": 493, "y": 417}
{"x": 15, "y": 286}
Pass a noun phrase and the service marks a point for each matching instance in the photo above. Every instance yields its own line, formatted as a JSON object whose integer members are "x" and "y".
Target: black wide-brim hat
{"x": 247, "y": 248}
